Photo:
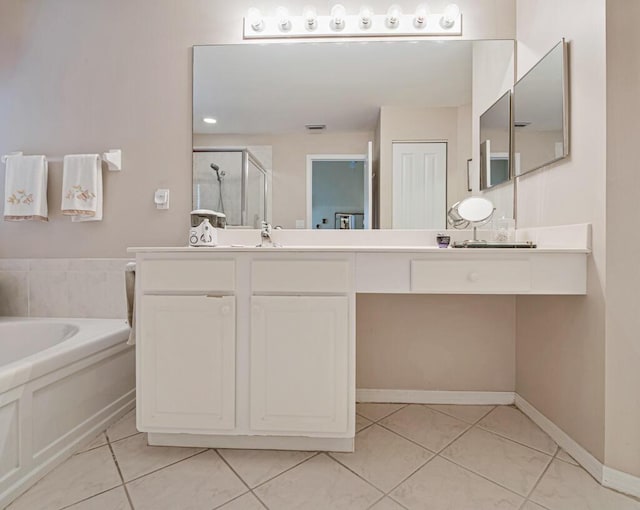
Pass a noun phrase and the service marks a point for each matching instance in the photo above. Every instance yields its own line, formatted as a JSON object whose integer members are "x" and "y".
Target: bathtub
{"x": 62, "y": 381}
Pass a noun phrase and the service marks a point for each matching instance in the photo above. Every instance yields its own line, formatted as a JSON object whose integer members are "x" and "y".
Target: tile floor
{"x": 407, "y": 457}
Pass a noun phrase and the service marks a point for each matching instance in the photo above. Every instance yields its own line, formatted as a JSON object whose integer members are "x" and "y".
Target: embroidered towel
{"x": 82, "y": 187}
{"x": 25, "y": 188}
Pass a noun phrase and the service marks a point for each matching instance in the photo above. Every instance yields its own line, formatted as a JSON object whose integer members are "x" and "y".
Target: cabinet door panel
{"x": 187, "y": 362}
{"x": 299, "y": 364}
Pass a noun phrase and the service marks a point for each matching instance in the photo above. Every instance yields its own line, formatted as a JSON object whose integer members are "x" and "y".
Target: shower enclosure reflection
{"x": 232, "y": 181}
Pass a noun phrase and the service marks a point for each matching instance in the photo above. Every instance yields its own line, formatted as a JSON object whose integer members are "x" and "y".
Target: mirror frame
{"x": 485, "y": 156}
{"x": 565, "y": 108}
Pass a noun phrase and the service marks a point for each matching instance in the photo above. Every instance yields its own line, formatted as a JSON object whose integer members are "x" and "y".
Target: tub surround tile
{"x": 136, "y": 458}
{"x": 427, "y": 427}
{"x": 115, "y": 499}
{"x": 246, "y": 502}
{"x": 383, "y": 458}
{"x": 375, "y": 412}
{"x": 442, "y": 485}
{"x": 86, "y": 293}
{"x": 60, "y": 265}
{"x": 201, "y": 482}
{"x": 512, "y": 423}
{"x": 80, "y": 477}
{"x": 257, "y": 466}
{"x": 568, "y": 487}
{"x": 509, "y": 464}
{"x": 109, "y": 265}
{"x": 14, "y": 264}
{"x": 114, "y": 303}
{"x": 14, "y": 293}
{"x": 468, "y": 414}
{"x": 48, "y": 294}
{"x": 318, "y": 484}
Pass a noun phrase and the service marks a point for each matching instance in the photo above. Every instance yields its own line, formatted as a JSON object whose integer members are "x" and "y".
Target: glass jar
{"x": 504, "y": 230}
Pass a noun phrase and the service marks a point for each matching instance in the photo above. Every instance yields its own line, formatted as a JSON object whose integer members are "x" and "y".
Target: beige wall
{"x": 80, "y": 76}
{"x": 290, "y": 164}
{"x": 561, "y": 340}
{"x": 445, "y": 342}
{"x": 622, "y": 450}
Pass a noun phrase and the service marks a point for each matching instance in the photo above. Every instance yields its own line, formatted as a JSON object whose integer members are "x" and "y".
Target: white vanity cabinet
{"x": 187, "y": 362}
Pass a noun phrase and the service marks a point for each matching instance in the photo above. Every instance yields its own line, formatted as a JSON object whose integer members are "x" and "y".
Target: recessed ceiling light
{"x": 209, "y": 120}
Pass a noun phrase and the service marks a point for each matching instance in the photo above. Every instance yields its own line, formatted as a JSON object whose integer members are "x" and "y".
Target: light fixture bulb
{"x": 450, "y": 16}
{"x": 209, "y": 120}
{"x": 282, "y": 15}
{"x": 365, "y": 17}
{"x": 422, "y": 12}
{"x": 393, "y": 16}
{"x": 255, "y": 19}
{"x": 310, "y": 17}
{"x": 338, "y": 16}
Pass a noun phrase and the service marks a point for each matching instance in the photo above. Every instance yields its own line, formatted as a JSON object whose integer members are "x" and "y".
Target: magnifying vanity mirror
{"x": 540, "y": 112}
{"x": 357, "y": 134}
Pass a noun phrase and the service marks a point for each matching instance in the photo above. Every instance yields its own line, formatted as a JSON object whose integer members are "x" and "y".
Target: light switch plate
{"x": 161, "y": 198}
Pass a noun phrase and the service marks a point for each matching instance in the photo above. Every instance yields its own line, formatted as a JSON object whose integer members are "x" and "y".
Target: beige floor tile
{"x": 383, "y": 458}
{"x": 318, "y": 484}
{"x": 469, "y": 414}
{"x": 431, "y": 429}
{"x": 530, "y": 505}
{"x": 512, "y": 423}
{"x": 441, "y": 485}
{"x": 125, "y": 427}
{"x": 387, "y": 504}
{"x": 101, "y": 440}
{"x": 82, "y": 476}
{"x": 115, "y": 499}
{"x": 246, "y": 502}
{"x": 258, "y": 466}
{"x": 136, "y": 458}
{"x": 562, "y": 455}
{"x": 568, "y": 487}
{"x": 510, "y": 464}
{"x": 375, "y": 412}
{"x": 361, "y": 423}
{"x": 197, "y": 483}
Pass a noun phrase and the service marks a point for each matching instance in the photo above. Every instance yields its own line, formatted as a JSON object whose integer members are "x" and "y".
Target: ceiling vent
{"x": 315, "y": 128}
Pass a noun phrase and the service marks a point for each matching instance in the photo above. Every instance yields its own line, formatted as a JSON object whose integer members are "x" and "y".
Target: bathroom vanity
{"x": 245, "y": 347}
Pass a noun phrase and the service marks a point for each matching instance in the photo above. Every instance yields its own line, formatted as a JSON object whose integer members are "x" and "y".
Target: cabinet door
{"x": 299, "y": 364}
{"x": 186, "y": 377}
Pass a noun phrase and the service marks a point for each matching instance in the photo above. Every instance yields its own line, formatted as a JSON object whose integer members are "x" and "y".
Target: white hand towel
{"x": 82, "y": 187}
{"x": 25, "y": 188}
{"x": 130, "y": 288}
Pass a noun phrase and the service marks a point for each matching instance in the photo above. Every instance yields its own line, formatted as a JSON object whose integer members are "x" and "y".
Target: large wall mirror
{"x": 358, "y": 134}
{"x": 540, "y": 112}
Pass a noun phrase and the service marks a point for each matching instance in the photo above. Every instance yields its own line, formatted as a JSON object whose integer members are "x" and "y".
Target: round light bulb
{"x": 255, "y": 19}
{"x": 450, "y": 16}
{"x": 209, "y": 120}
{"x": 365, "y": 16}
{"x": 393, "y": 16}
{"x": 338, "y": 15}
{"x": 422, "y": 12}
{"x": 282, "y": 15}
{"x": 310, "y": 17}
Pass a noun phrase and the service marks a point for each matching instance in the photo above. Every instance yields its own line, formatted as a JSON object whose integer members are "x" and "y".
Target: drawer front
{"x": 470, "y": 276}
{"x": 300, "y": 276}
{"x": 188, "y": 275}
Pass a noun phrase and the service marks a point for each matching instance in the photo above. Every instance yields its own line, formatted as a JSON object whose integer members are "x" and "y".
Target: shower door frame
{"x": 247, "y": 157}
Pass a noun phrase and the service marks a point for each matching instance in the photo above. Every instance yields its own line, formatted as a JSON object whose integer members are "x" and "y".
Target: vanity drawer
{"x": 471, "y": 276}
{"x": 188, "y": 275}
{"x": 300, "y": 276}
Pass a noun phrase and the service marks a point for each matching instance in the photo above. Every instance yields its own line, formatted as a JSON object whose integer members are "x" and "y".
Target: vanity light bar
{"x": 363, "y": 24}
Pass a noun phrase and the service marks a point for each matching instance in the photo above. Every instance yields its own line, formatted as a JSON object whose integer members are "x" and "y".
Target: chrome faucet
{"x": 265, "y": 236}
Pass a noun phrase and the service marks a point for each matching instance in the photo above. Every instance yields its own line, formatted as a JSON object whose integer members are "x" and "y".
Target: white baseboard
{"x": 621, "y": 481}
{"x": 582, "y": 456}
{"x": 435, "y": 397}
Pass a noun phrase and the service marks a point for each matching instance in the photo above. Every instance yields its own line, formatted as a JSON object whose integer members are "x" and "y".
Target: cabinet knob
{"x": 225, "y": 310}
{"x": 473, "y": 277}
